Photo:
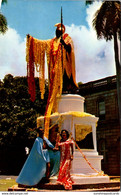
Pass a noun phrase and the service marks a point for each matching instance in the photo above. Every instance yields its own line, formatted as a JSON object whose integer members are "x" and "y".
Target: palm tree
{"x": 2, "y": 2}
{"x": 107, "y": 25}
{"x": 3, "y": 24}
{"x": 3, "y": 21}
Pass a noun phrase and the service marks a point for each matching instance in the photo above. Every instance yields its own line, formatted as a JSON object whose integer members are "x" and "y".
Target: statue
{"x": 60, "y": 60}
{"x": 61, "y": 67}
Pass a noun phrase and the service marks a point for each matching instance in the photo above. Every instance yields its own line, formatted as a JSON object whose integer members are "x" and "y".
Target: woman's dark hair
{"x": 67, "y": 133}
{"x": 39, "y": 130}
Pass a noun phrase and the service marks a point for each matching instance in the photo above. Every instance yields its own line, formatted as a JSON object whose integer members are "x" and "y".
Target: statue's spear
{"x": 61, "y": 37}
{"x": 61, "y": 19}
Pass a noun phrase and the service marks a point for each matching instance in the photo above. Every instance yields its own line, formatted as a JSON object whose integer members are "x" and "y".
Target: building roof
{"x": 98, "y": 85}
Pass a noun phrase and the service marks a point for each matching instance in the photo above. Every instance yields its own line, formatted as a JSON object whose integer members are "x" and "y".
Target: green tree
{"x": 107, "y": 25}
{"x": 90, "y": 2}
{"x": 3, "y": 24}
{"x": 17, "y": 113}
{"x": 3, "y": 21}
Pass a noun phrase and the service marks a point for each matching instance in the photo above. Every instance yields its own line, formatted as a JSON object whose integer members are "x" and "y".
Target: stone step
{"x": 85, "y": 179}
{"x": 111, "y": 186}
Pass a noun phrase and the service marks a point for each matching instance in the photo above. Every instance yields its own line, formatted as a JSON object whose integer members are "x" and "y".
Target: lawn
{"x": 6, "y": 183}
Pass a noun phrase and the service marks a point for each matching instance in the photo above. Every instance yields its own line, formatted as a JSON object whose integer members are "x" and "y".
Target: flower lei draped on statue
{"x": 64, "y": 177}
{"x": 35, "y": 57}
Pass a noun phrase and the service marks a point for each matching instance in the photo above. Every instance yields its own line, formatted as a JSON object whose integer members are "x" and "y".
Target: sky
{"x": 94, "y": 58}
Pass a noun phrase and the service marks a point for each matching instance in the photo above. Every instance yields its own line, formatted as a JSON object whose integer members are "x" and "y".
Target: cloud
{"x": 12, "y": 54}
{"x": 94, "y": 58}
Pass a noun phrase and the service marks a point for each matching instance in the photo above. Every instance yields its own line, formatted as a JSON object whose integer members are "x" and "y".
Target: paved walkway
{"x": 8, "y": 177}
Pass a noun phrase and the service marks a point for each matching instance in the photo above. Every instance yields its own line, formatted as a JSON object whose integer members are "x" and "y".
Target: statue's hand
{"x": 66, "y": 46}
{"x": 62, "y": 41}
{"x": 28, "y": 35}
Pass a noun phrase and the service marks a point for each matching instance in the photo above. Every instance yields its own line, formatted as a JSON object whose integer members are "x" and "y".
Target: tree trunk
{"x": 118, "y": 74}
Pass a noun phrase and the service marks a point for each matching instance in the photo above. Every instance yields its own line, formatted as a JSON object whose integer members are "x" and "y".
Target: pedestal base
{"x": 81, "y": 166}
{"x": 85, "y": 179}
{"x": 70, "y": 115}
{"x": 81, "y": 179}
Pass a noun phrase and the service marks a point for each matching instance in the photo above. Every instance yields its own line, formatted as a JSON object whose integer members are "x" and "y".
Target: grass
{"x": 6, "y": 183}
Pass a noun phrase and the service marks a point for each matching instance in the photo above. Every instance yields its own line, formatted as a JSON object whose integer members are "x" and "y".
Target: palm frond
{"x": 89, "y": 2}
{"x": 4, "y": 1}
{"x": 3, "y": 24}
{"x": 107, "y": 20}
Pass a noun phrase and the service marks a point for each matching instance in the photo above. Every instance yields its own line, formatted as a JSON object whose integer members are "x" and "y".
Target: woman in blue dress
{"x": 42, "y": 162}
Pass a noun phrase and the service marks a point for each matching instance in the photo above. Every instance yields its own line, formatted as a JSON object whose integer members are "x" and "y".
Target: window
{"x": 101, "y": 109}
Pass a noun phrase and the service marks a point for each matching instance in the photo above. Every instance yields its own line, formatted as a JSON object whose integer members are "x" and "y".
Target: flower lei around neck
{"x": 55, "y": 46}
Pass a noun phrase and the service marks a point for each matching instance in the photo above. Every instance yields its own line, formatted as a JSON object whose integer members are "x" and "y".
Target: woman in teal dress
{"x": 42, "y": 162}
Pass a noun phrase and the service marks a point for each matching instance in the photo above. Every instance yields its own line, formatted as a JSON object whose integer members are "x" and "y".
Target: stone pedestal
{"x": 71, "y": 112}
{"x": 70, "y": 103}
{"x": 80, "y": 166}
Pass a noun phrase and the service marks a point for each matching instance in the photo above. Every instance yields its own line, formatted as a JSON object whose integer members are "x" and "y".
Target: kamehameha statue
{"x": 61, "y": 67}
{"x": 61, "y": 79}
{"x": 60, "y": 61}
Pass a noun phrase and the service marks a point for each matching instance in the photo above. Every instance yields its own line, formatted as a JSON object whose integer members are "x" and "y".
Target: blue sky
{"x": 38, "y": 17}
{"x": 94, "y": 58}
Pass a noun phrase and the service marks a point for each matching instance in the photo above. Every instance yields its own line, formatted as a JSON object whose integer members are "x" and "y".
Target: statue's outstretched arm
{"x": 35, "y": 56}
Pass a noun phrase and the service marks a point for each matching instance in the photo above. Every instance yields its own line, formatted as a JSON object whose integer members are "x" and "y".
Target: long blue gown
{"x": 34, "y": 168}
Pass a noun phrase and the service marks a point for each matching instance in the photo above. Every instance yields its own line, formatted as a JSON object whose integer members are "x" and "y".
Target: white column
{"x": 94, "y": 136}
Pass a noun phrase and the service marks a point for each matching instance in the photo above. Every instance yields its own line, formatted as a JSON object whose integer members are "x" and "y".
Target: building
{"x": 101, "y": 100}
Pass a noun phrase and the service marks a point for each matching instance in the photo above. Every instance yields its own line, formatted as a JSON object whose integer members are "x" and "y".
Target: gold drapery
{"x": 81, "y": 131}
{"x": 85, "y": 129}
